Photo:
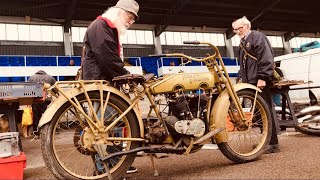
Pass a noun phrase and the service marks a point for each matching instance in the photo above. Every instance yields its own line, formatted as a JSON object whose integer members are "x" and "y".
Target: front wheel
{"x": 67, "y": 142}
{"x": 247, "y": 140}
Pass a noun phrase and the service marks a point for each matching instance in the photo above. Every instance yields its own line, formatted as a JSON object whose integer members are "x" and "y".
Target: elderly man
{"x": 102, "y": 48}
{"x": 102, "y": 43}
{"x": 256, "y": 66}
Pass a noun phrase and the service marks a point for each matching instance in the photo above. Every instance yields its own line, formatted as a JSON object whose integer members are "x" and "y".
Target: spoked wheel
{"x": 309, "y": 124}
{"x": 247, "y": 139}
{"x": 67, "y": 142}
{"x": 309, "y": 128}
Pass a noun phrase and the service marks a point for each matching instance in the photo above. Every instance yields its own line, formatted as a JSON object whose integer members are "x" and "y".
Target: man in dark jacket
{"x": 102, "y": 46}
{"x": 256, "y": 66}
{"x": 40, "y": 108}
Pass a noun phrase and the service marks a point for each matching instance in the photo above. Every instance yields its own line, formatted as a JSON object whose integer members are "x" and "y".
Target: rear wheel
{"x": 67, "y": 141}
{"x": 247, "y": 140}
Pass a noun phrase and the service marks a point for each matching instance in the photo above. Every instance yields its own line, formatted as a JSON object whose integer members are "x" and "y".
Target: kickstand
{"x": 155, "y": 172}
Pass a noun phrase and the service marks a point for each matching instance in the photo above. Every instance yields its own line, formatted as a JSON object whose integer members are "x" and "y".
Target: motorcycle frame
{"x": 219, "y": 73}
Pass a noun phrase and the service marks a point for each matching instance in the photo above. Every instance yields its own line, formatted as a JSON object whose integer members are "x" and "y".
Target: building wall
{"x": 277, "y": 51}
{"x": 31, "y": 48}
{"x": 130, "y": 50}
{"x": 194, "y": 51}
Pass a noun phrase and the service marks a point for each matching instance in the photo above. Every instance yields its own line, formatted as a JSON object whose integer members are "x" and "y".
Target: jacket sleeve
{"x": 264, "y": 53}
{"x": 104, "y": 47}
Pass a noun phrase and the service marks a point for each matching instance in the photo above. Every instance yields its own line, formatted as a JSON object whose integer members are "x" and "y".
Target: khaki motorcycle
{"x": 93, "y": 129}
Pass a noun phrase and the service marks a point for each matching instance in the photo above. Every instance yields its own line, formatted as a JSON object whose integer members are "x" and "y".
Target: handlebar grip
{"x": 191, "y": 42}
{"x": 157, "y": 55}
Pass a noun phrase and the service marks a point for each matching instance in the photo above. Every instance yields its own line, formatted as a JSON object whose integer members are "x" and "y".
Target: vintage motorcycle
{"x": 94, "y": 129}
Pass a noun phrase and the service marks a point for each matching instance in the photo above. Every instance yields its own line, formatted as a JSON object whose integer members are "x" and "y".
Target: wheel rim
{"x": 70, "y": 142}
{"x": 248, "y": 137}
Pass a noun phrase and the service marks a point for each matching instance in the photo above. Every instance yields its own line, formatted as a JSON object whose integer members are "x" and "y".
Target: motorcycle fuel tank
{"x": 184, "y": 81}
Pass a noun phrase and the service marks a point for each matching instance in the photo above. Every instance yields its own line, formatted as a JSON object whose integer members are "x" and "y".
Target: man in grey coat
{"x": 256, "y": 66}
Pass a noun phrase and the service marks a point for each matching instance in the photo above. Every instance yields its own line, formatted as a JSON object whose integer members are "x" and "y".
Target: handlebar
{"x": 191, "y": 42}
{"x": 215, "y": 49}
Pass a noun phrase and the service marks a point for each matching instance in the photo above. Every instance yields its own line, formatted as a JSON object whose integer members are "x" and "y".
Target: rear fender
{"x": 72, "y": 92}
{"x": 220, "y": 108}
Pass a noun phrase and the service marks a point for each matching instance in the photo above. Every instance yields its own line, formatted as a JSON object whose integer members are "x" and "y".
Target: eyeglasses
{"x": 238, "y": 29}
{"x": 131, "y": 17}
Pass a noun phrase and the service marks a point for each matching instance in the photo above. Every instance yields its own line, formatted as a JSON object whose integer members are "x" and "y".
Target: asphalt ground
{"x": 299, "y": 158}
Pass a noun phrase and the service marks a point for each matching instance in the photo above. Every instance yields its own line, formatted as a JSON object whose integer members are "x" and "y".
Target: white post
{"x": 68, "y": 45}
{"x": 157, "y": 45}
{"x": 287, "y": 46}
{"x": 229, "y": 47}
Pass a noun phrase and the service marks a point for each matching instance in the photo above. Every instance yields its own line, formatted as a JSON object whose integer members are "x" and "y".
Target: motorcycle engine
{"x": 186, "y": 113}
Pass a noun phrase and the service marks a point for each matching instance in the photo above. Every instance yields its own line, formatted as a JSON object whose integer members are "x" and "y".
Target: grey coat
{"x": 251, "y": 70}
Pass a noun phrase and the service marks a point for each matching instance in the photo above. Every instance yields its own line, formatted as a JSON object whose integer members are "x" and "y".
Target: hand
{"x": 261, "y": 84}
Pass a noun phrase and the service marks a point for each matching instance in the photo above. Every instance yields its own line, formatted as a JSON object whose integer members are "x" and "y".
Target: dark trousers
{"x": 266, "y": 95}
{"x": 38, "y": 110}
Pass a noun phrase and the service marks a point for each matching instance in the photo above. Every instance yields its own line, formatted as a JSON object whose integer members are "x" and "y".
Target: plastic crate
{"x": 20, "y": 90}
{"x": 9, "y": 144}
{"x": 12, "y": 167}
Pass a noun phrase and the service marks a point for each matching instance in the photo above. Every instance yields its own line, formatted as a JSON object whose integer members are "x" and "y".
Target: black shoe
{"x": 272, "y": 148}
{"x": 132, "y": 170}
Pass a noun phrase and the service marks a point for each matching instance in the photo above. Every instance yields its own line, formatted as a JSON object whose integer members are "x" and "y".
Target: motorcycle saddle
{"x": 137, "y": 78}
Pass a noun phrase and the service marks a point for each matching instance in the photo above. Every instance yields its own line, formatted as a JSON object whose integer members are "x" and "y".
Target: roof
{"x": 290, "y": 16}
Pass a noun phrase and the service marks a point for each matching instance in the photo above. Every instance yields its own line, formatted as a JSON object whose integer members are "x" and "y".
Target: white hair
{"x": 244, "y": 21}
{"x": 112, "y": 14}
{"x": 115, "y": 15}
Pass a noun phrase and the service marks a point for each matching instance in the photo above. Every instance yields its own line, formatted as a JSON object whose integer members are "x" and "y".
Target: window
{"x": 184, "y": 36}
{"x": 149, "y": 37}
{"x": 177, "y": 38}
{"x": 57, "y": 33}
{"x": 169, "y": 38}
{"x": 82, "y": 32}
{"x": 199, "y": 37}
{"x": 206, "y": 37}
{"x": 124, "y": 39}
{"x": 3, "y": 33}
{"x": 163, "y": 38}
{"x": 24, "y": 32}
{"x": 140, "y": 37}
{"x": 35, "y": 33}
{"x": 214, "y": 39}
{"x": 75, "y": 34}
{"x": 221, "y": 40}
{"x": 46, "y": 33}
{"x": 12, "y": 32}
{"x": 132, "y": 39}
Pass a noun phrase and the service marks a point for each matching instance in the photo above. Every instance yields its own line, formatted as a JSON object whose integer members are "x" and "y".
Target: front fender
{"x": 220, "y": 108}
{"x": 72, "y": 92}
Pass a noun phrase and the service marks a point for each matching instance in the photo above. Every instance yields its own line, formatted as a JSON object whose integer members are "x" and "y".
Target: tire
{"x": 66, "y": 147}
{"x": 303, "y": 128}
{"x": 252, "y": 136}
